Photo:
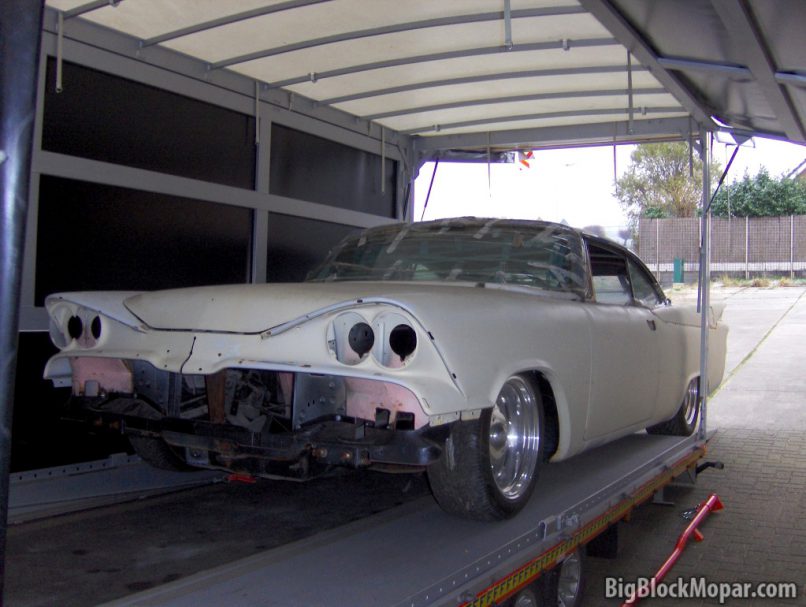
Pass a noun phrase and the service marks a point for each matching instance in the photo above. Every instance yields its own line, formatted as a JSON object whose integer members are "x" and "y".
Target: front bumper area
{"x": 299, "y": 454}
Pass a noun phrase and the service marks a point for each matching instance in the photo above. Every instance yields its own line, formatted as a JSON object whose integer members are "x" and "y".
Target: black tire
{"x": 472, "y": 478}
{"x": 685, "y": 420}
{"x": 156, "y": 452}
{"x": 565, "y": 584}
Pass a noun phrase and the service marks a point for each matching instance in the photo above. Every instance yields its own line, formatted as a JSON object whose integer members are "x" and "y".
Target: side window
{"x": 611, "y": 281}
{"x": 644, "y": 286}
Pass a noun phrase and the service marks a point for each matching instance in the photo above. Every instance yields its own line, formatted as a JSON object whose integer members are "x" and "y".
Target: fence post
{"x": 791, "y": 247}
{"x": 746, "y": 248}
{"x": 657, "y": 248}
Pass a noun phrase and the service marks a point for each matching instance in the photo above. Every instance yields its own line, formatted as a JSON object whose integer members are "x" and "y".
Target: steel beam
{"x": 674, "y": 63}
{"x": 88, "y": 8}
{"x": 395, "y": 29}
{"x": 544, "y": 116}
{"x": 227, "y": 20}
{"x": 603, "y": 133}
{"x": 705, "y": 278}
{"x": 20, "y": 33}
{"x": 471, "y": 52}
{"x": 737, "y": 15}
{"x": 609, "y": 16}
{"x": 573, "y": 71}
{"x": 513, "y": 99}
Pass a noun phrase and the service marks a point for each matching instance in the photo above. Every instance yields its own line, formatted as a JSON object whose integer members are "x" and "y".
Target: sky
{"x": 574, "y": 185}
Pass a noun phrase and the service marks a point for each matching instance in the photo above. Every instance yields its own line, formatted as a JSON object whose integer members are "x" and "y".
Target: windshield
{"x": 506, "y": 252}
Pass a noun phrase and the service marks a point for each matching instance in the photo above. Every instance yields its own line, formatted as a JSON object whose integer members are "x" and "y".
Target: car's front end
{"x": 229, "y": 378}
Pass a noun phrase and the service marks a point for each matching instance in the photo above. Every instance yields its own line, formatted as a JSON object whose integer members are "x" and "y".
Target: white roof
{"x": 457, "y": 73}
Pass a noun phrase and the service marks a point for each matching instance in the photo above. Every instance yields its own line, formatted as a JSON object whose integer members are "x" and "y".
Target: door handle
{"x": 651, "y": 324}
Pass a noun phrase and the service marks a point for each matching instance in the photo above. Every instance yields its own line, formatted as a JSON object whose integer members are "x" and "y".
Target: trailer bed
{"x": 416, "y": 555}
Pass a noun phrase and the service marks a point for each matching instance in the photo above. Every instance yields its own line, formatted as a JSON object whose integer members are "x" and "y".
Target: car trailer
{"x": 415, "y": 555}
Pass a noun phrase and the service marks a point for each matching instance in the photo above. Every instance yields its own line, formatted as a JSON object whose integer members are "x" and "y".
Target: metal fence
{"x": 741, "y": 247}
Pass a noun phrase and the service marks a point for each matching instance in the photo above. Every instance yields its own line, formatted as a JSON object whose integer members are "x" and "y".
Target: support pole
{"x": 705, "y": 276}
{"x": 20, "y": 34}
{"x": 792, "y": 247}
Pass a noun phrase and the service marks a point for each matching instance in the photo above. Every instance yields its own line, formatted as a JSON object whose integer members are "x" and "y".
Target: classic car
{"x": 475, "y": 349}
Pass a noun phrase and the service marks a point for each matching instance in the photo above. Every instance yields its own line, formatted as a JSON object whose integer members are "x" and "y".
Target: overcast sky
{"x": 575, "y": 185}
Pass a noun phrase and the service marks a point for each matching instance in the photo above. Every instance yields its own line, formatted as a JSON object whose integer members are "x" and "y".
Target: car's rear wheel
{"x": 158, "y": 453}
{"x": 685, "y": 420}
{"x": 489, "y": 466}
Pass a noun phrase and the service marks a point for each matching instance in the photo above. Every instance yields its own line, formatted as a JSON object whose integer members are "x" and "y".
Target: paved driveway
{"x": 760, "y": 416}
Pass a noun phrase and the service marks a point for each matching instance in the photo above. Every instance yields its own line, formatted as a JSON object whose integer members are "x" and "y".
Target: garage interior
{"x": 179, "y": 143}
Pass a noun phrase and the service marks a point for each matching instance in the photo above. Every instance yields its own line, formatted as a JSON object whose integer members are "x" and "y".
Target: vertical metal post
{"x": 508, "y": 44}
{"x": 631, "y": 109}
{"x": 20, "y": 34}
{"x": 383, "y": 160}
{"x": 791, "y": 247}
{"x": 657, "y": 248}
{"x": 747, "y": 248}
{"x": 705, "y": 277}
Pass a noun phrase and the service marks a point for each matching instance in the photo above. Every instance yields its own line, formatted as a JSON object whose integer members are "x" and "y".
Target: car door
{"x": 625, "y": 347}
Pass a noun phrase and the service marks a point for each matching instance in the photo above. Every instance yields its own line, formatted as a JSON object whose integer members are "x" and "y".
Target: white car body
{"x": 612, "y": 368}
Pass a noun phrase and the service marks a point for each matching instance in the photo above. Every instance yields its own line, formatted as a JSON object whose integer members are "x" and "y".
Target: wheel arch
{"x": 550, "y": 414}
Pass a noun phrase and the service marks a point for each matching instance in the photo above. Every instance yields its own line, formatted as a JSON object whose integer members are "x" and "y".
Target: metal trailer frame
{"x": 416, "y": 555}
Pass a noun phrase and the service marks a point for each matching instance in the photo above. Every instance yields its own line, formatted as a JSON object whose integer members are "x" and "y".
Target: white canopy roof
{"x": 503, "y": 73}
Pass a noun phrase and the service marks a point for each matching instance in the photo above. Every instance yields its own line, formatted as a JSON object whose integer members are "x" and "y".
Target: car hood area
{"x": 251, "y": 309}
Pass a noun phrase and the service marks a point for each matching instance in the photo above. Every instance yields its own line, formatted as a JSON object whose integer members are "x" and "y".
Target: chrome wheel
{"x": 569, "y": 581}
{"x": 514, "y": 438}
{"x": 526, "y": 598}
{"x": 691, "y": 402}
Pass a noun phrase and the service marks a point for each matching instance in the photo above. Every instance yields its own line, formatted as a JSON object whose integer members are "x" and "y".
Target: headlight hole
{"x": 403, "y": 341}
{"x": 361, "y": 338}
{"x": 95, "y": 327}
{"x": 75, "y": 327}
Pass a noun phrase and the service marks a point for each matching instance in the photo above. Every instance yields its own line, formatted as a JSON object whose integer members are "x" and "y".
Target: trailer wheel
{"x": 156, "y": 452}
{"x": 525, "y": 598}
{"x": 489, "y": 466}
{"x": 685, "y": 420}
{"x": 570, "y": 580}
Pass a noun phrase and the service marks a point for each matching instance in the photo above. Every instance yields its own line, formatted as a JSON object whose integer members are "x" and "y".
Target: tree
{"x": 658, "y": 183}
{"x": 761, "y": 196}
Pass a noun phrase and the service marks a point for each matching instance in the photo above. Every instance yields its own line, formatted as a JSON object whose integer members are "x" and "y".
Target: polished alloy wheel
{"x": 514, "y": 437}
{"x": 568, "y": 582}
{"x": 691, "y": 404}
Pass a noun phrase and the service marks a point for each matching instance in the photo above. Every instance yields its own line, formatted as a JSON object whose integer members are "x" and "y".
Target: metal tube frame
{"x": 20, "y": 35}
{"x": 705, "y": 278}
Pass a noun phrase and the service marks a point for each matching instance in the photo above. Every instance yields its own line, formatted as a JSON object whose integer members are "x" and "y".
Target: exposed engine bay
{"x": 264, "y": 422}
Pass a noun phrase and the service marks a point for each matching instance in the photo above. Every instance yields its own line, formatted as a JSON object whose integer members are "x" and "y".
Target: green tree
{"x": 761, "y": 196}
{"x": 658, "y": 183}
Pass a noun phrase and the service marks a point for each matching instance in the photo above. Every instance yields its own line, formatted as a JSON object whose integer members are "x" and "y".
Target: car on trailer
{"x": 474, "y": 349}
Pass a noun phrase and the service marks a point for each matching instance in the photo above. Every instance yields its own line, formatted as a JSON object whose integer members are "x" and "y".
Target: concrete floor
{"x": 760, "y": 413}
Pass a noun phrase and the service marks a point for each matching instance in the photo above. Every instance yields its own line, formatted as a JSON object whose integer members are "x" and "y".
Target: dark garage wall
{"x": 112, "y": 119}
{"x": 98, "y": 237}
{"x": 315, "y": 169}
{"x": 131, "y": 236}
{"x": 297, "y": 245}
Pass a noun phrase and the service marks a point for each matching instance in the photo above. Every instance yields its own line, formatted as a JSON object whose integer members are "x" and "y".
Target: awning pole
{"x": 20, "y": 34}
{"x": 705, "y": 276}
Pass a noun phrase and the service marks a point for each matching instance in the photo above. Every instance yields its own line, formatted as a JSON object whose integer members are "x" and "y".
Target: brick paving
{"x": 760, "y": 417}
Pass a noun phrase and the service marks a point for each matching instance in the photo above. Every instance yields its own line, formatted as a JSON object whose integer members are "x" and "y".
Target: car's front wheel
{"x": 489, "y": 466}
